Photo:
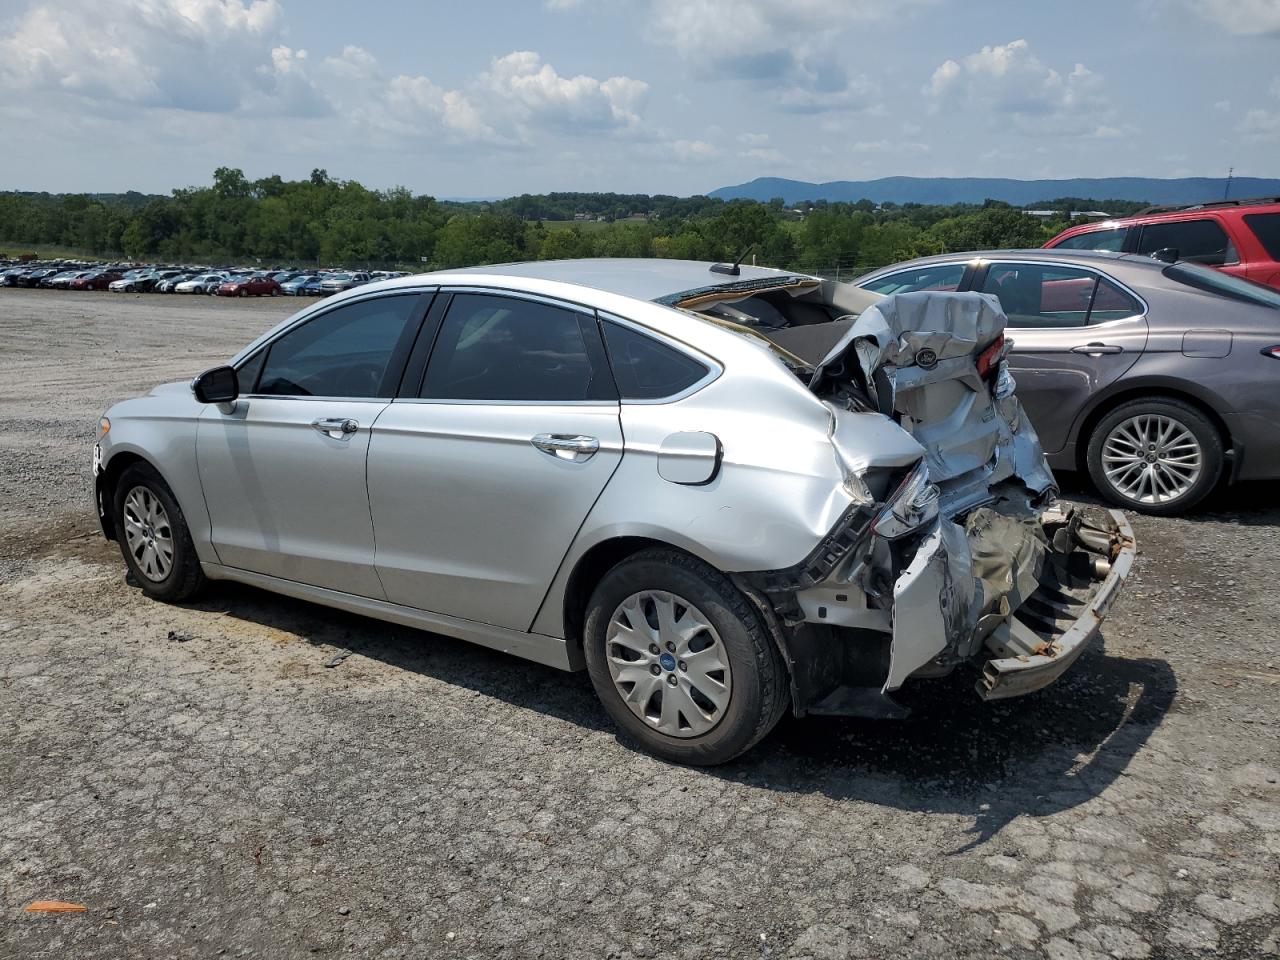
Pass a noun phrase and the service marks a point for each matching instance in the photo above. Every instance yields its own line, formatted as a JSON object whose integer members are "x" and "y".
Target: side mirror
{"x": 219, "y": 385}
{"x": 1166, "y": 255}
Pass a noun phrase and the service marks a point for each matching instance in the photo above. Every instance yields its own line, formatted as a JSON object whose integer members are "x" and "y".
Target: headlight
{"x": 910, "y": 507}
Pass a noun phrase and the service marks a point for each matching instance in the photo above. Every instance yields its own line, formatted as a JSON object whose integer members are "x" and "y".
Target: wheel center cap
{"x": 668, "y": 662}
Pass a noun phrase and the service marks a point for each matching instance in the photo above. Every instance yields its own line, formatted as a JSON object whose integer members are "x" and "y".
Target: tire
{"x": 754, "y": 692}
{"x": 182, "y": 579}
{"x": 1186, "y": 468}
{"x": 244, "y": 292}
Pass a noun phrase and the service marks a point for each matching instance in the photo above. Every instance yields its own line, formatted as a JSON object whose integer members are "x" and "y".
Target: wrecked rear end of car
{"x": 962, "y": 557}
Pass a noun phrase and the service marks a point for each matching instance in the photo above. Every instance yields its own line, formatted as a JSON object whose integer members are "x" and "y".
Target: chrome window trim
{"x": 320, "y": 307}
{"x": 1057, "y": 264}
{"x": 714, "y": 368}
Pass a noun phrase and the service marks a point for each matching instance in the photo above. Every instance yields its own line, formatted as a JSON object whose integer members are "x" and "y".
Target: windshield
{"x": 1224, "y": 284}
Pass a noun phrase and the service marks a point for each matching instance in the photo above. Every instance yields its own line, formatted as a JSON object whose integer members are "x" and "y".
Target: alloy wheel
{"x": 148, "y": 533}
{"x": 1151, "y": 458}
{"x": 668, "y": 663}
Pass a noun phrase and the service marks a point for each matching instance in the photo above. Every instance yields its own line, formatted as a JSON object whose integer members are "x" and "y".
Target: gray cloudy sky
{"x": 658, "y": 96}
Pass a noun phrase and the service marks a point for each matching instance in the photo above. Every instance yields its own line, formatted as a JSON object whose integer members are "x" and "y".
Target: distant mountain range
{"x": 941, "y": 190}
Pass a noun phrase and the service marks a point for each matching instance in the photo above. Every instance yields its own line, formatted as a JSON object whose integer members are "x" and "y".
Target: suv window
{"x": 1038, "y": 296}
{"x": 346, "y": 352}
{"x": 1266, "y": 227}
{"x": 503, "y": 348}
{"x": 646, "y": 369}
{"x": 1111, "y": 240}
{"x": 1201, "y": 241}
{"x": 945, "y": 277}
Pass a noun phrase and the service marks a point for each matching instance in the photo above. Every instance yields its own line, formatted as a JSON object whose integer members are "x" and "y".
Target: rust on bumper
{"x": 1034, "y": 660}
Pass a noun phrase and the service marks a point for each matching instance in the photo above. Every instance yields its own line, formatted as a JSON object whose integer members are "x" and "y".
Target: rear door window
{"x": 1266, "y": 227}
{"x": 1110, "y": 302}
{"x": 1109, "y": 240}
{"x": 943, "y": 277}
{"x": 1200, "y": 241}
{"x": 498, "y": 348}
{"x": 1038, "y": 295}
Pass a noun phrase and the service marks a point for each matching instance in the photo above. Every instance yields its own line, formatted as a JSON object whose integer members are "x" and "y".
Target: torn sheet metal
{"x": 932, "y": 601}
{"x": 914, "y": 356}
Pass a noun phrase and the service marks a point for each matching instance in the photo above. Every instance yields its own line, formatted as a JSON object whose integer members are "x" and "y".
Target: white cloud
{"x": 1011, "y": 84}
{"x": 753, "y": 139}
{"x": 537, "y": 92}
{"x": 793, "y": 50}
{"x": 227, "y": 57}
{"x": 692, "y": 149}
{"x": 769, "y": 155}
{"x": 204, "y": 55}
{"x": 1261, "y": 126}
{"x": 1243, "y": 17}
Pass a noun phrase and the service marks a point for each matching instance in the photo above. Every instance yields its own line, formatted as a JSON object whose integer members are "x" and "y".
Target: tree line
{"x": 324, "y": 221}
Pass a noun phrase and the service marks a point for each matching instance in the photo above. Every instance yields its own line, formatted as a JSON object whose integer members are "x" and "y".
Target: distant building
{"x": 1050, "y": 214}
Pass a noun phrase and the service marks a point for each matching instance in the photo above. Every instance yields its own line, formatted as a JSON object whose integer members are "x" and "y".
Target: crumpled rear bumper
{"x": 1035, "y": 650}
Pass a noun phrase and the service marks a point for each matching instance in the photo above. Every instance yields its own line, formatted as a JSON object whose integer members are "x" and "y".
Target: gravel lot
{"x": 207, "y": 786}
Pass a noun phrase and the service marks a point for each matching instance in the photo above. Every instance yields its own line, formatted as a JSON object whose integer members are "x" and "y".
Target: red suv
{"x": 1240, "y": 237}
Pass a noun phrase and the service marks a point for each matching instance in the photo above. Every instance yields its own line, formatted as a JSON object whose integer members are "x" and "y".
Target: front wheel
{"x": 154, "y": 537}
{"x": 1158, "y": 456}
{"x": 681, "y": 660}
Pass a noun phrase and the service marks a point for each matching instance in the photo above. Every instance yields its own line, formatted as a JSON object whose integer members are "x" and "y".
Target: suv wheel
{"x": 681, "y": 660}
{"x": 153, "y": 536}
{"x": 1158, "y": 456}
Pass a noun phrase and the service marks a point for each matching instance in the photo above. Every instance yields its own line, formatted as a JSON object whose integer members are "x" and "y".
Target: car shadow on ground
{"x": 955, "y": 754}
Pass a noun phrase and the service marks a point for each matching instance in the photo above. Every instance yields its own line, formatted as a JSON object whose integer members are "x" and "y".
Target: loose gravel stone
{"x": 229, "y": 796}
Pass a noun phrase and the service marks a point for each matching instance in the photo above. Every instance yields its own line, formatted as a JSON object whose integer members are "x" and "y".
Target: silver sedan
{"x": 626, "y": 466}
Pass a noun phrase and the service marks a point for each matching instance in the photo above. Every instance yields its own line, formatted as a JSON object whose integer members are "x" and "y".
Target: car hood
{"x": 915, "y": 358}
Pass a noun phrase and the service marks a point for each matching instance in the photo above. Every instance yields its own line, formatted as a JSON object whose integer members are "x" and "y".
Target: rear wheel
{"x": 681, "y": 660}
{"x": 154, "y": 537}
{"x": 1159, "y": 456}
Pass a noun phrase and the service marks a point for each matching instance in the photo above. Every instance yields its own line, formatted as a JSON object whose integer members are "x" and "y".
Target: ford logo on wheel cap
{"x": 926, "y": 358}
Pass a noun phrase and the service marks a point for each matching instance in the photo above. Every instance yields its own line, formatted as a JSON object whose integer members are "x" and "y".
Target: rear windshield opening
{"x": 1223, "y": 284}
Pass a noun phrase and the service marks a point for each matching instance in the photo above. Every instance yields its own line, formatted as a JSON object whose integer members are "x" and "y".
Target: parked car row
{"x": 226, "y": 282}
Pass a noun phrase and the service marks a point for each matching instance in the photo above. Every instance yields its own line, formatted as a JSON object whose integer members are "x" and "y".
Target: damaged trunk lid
{"x": 935, "y": 363}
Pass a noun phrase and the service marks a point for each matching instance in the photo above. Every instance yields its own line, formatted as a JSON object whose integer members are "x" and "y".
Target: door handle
{"x": 566, "y": 447}
{"x": 1097, "y": 349}
{"x": 339, "y": 428}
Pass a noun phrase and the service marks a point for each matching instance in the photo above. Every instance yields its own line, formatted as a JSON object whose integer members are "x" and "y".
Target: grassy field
{"x": 44, "y": 251}
{"x": 586, "y": 226}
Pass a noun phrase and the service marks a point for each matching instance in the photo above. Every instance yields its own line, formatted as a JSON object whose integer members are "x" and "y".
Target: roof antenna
{"x": 734, "y": 269}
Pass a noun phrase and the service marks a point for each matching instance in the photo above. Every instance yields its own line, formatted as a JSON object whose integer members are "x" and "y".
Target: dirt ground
{"x": 207, "y": 785}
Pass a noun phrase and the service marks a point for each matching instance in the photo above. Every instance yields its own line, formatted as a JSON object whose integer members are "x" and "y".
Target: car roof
{"x": 638, "y": 278}
{"x": 1095, "y": 258}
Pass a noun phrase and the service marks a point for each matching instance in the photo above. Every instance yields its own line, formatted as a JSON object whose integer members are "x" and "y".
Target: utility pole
{"x": 1226, "y": 194}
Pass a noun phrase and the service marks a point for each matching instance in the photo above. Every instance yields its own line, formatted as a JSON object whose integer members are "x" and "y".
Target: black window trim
{"x": 980, "y": 277}
{"x": 400, "y": 354}
{"x": 594, "y": 344}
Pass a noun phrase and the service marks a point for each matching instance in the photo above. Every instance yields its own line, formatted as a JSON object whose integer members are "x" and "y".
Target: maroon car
{"x": 95, "y": 281}
{"x": 258, "y": 286}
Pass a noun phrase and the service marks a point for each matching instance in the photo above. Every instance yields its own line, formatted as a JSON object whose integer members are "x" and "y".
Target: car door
{"x": 1074, "y": 331}
{"x": 283, "y": 468}
{"x": 480, "y": 478}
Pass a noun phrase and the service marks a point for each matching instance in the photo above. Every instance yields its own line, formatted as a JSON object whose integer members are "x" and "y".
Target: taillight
{"x": 989, "y": 359}
{"x": 1272, "y": 351}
